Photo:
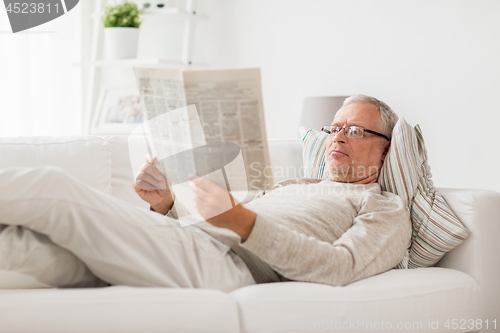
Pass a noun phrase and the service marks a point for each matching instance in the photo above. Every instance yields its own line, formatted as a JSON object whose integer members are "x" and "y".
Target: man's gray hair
{"x": 388, "y": 118}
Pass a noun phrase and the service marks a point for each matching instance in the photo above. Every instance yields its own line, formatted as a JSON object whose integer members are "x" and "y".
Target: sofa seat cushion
{"x": 118, "y": 309}
{"x": 423, "y": 295}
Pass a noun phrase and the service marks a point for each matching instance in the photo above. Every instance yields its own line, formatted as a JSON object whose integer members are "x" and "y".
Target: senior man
{"x": 334, "y": 231}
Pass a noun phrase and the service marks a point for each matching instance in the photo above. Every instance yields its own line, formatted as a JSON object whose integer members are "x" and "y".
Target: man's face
{"x": 356, "y": 160}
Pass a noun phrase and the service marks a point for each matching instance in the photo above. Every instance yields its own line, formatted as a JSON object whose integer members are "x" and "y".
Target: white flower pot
{"x": 121, "y": 43}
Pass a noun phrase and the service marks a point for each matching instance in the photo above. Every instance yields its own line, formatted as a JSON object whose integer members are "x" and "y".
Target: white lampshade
{"x": 319, "y": 111}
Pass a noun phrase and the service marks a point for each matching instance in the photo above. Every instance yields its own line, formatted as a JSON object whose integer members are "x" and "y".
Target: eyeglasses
{"x": 355, "y": 132}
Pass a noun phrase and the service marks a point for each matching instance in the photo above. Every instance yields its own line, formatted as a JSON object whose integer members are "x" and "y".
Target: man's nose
{"x": 339, "y": 137}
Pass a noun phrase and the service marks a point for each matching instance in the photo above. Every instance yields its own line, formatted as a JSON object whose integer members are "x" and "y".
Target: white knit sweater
{"x": 320, "y": 231}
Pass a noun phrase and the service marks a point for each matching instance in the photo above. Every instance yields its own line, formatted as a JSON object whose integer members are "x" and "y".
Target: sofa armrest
{"x": 479, "y": 211}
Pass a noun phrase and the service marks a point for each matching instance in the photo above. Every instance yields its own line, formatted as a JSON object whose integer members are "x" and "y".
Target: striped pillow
{"x": 313, "y": 152}
{"x": 405, "y": 172}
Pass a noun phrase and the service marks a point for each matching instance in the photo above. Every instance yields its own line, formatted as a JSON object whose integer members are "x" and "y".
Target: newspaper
{"x": 221, "y": 114}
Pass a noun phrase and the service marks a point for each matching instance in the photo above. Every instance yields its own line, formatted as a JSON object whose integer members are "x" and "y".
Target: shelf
{"x": 172, "y": 11}
{"x": 129, "y": 62}
{"x": 162, "y": 11}
{"x": 151, "y": 12}
{"x": 138, "y": 62}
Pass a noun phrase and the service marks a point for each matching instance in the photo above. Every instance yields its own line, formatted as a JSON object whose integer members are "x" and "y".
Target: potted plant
{"x": 121, "y": 31}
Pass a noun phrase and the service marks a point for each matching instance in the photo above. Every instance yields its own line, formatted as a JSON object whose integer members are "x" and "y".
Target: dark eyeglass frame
{"x": 329, "y": 132}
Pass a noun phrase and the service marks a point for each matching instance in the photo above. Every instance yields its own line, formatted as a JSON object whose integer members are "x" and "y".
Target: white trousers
{"x": 119, "y": 243}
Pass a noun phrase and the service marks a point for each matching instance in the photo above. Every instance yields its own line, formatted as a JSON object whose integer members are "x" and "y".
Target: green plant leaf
{"x": 122, "y": 15}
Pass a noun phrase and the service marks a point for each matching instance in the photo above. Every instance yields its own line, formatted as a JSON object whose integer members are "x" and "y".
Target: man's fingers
{"x": 152, "y": 183}
{"x": 152, "y": 170}
{"x": 149, "y": 160}
{"x": 199, "y": 191}
{"x": 200, "y": 200}
{"x": 205, "y": 184}
{"x": 145, "y": 185}
{"x": 147, "y": 178}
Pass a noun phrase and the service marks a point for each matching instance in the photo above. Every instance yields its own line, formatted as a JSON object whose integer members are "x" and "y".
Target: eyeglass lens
{"x": 352, "y": 131}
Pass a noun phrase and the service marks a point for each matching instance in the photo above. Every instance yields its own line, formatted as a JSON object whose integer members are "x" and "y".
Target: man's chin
{"x": 350, "y": 174}
{"x": 340, "y": 173}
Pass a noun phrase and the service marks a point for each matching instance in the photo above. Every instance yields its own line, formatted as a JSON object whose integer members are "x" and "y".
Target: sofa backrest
{"x": 110, "y": 163}
{"x": 87, "y": 158}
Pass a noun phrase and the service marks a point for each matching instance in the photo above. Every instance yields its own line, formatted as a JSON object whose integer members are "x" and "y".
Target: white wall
{"x": 435, "y": 62}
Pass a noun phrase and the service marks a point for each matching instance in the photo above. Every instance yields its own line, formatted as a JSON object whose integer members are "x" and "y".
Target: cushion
{"x": 420, "y": 297}
{"x": 87, "y": 158}
{"x": 313, "y": 152}
{"x": 405, "y": 172}
{"x": 118, "y": 309}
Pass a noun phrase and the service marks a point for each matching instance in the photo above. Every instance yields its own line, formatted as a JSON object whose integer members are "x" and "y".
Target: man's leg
{"x": 120, "y": 244}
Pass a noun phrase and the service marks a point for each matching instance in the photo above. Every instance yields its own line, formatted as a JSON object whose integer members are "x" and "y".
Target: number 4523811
{"x": 470, "y": 324}
{"x": 25, "y": 8}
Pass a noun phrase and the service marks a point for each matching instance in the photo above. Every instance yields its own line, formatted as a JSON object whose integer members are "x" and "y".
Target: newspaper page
{"x": 230, "y": 111}
{"x": 230, "y": 106}
{"x": 168, "y": 132}
{"x": 174, "y": 135}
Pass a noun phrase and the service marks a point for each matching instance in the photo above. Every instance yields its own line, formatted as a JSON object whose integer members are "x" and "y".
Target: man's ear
{"x": 386, "y": 150}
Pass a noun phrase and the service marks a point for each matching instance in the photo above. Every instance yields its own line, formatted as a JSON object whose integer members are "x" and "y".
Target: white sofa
{"x": 463, "y": 286}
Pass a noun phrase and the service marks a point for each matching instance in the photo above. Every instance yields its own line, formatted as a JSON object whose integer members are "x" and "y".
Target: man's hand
{"x": 153, "y": 187}
{"x": 215, "y": 205}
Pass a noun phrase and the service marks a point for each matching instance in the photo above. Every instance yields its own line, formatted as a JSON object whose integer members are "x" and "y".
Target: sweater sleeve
{"x": 375, "y": 243}
{"x": 178, "y": 210}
